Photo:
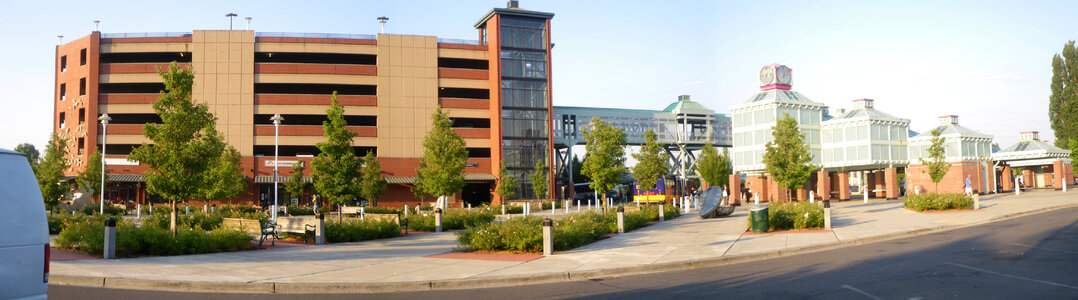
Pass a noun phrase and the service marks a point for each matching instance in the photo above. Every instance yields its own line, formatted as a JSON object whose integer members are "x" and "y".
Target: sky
{"x": 987, "y": 61}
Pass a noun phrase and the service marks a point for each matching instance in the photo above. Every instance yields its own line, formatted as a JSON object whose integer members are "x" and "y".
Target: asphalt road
{"x": 1033, "y": 257}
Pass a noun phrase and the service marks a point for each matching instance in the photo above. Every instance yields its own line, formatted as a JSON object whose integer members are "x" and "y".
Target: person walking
{"x": 969, "y": 187}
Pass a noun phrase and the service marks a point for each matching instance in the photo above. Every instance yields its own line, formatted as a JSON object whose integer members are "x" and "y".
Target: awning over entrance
{"x": 126, "y": 178}
{"x": 281, "y": 179}
{"x": 467, "y": 177}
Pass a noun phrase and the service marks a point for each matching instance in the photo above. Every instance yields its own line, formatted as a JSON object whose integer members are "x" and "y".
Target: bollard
{"x": 205, "y": 208}
{"x": 812, "y": 198}
{"x": 554, "y": 207}
{"x": 138, "y": 209}
{"x": 110, "y": 238}
{"x": 865, "y": 192}
{"x": 151, "y": 209}
{"x": 213, "y": 208}
{"x": 684, "y": 207}
{"x": 285, "y": 207}
{"x": 637, "y": 204}
{"x": 503, "y": 208}
{"x": 548, "y": 237}
{"x": 469, "y": 206}
{"x": 662, "y": 206}
{"x": 976, "y": 201}
{"x": 756, "y": 199}
{"x": 320, "y": 232}
{"x": 827, "y": 214}
{"x": 406, "y": 211}
{"x": 438, "y": 220}
{"x": 577, "y": 205}
{"x": 621, "y": 220}
{"x": 524, "y": 208}
{"x": 589, "y": 204}
{"x": 187, "y": 209}
{"x": 566, "y": 206}
{"x": 362, "y": 213}
{"x": 1017, "y": 188}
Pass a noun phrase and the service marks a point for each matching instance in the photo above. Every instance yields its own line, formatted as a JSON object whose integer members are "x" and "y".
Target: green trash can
{"x": 759, "y": 218}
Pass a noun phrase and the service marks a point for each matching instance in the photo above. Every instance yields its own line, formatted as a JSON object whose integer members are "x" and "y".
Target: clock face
{"x": 783, "y": 75}
{"x": 767, "y": 74}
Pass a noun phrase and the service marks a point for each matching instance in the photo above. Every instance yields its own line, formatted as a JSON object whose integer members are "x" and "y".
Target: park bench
{"x": 252, "y": 227}
{"x": 394, "y": 218}
{"x": 303, "y": 225}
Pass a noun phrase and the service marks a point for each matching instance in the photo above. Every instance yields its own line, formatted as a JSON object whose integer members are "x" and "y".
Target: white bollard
{"x": 205, "y": 208}
{"x": 285, "y": 207}
{"x": 138, "y": 210}
{"x": 437, "y": 220}
{"x": 866, "y": 194}
{"x": 577, "y": 205}
{"x": 589, "y": 204}
{"x": 756, "y": 198}
{"x": 406, "y": 211}
{"x": 548, "y": 237}
{"x": 1063, "y": 181}
{"x": 812, "y": 199}
{"x": 1017, "y": 188}
{"x": 503, "y": 208}
{"x": 320, "y": 232}
{"x": 187, "y": 209}
{"x": 621, "y": 220}
{"x": 662, "y": 210}
{"x": 554, "y": 207}
{"x": 827, "y": 214}
{"x": 976, "y": 201}
{"x": 566, "y": 206}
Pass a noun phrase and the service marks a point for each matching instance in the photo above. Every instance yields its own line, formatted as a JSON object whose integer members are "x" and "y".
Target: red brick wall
{"x": 128, "y": 98}
{"x": 303, "y": 68}
{"x": 953, "y": 182}
{"x": 311, "y": 130}
{"x": 891, "y": 179}
{"x": 138, "y": 68}
{"x": 842, "y": 184}
{"x": 735, "y": 189}
{"x": 463, "y": 73}
{"x": 345, "y": 100}
{"x": 315, "y": 40}
{"x": 823, "y": 185}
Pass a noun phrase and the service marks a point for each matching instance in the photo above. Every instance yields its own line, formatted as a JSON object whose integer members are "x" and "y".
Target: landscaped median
{"x": 793, "y": 216}
{"x": 525, "y": 235}
{"x": 927, "y": 201}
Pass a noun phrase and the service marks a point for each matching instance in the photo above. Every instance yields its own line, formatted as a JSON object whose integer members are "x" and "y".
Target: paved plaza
{"x": 401, "y": 264}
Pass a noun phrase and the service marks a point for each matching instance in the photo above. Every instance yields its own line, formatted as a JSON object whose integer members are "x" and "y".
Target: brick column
{"x": 758, "y": 185}
{"x": 1028, "y": 174}
{"x": 878, "y": 185}
{"x": 735, "y": 189}
{"x": 843, "y": 185}
{"x": 1008, "y": 180}
{"x": 802, "y": 194}
{"x": 823, "y": 185}
{"x": 774, "y": 191}
{"x": 1057, "y": 169}
{"x": 891, "y": 179}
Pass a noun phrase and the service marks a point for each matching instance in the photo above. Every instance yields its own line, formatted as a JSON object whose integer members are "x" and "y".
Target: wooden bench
{"x": 350, "y": 209}
{"x": 394, "y": 218}
{"x": 303, "y": 225}
{"x": 252, "y": 227}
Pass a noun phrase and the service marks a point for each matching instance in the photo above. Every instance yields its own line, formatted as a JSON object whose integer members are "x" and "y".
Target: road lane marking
{"x": 870, "y": 296}
{"x": 1014, "y": 276}
{"x": 1043, "y": 248}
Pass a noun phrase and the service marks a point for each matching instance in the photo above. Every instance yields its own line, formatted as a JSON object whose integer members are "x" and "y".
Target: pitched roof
{"x": 778, "y": 95}
{"x": 951, "y": 129}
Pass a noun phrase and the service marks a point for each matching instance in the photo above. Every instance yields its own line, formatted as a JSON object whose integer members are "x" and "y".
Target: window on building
{"x": 63, "y": 91}
{"x": 63, "y": 117}
{"x": 82, "y": 86}
{"x": 82, "y": 57}
{"x": 82, "y": 146}
{"x": 82, "y": 116}
{"x": 63, "y": 63}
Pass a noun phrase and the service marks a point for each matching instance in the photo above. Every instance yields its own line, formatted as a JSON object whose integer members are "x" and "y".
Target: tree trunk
{"x": 172, "y": 218}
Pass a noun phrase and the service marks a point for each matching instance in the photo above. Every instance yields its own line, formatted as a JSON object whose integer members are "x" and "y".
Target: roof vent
{"x": 948, "y": 120}
{"x": 862, "y": 103}
{"x": 513, "y": 4}
{"x": 1029, "y": 136}
{"x": 683, "y": 98}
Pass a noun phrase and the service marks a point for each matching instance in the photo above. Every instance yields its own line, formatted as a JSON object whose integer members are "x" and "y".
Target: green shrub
{"x": 524, "y": 234}
{"x": 90, "y": 210}
{"x": 514, "y": 210}
{"x": 930, "y": 201}
{"x": 356, "y": 230}
{"x": 299, "y": 210}
{"x": 793, "y": 215}
{"x": 383, "y": 210}
{"x": 547, "y": 205}
{"x": 87, "y": 236}
{"x": 453, "y": 219}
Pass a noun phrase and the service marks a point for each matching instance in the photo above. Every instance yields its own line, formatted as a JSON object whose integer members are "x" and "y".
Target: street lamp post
{"x": 230, "y": 15}
{"x": 104, "y": 140}
{"x": 276, "y": 129}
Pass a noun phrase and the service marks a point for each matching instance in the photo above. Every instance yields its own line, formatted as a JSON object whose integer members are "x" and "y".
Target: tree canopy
{"x": 936, "y": 165}
{"x": 89, "y": 178}
{"x": 787, "y": 156}
{"x": 336, "y": 169}
{"x": 1063, "y": 102}
{"x": 506, "y": 184}
{"x": 605, "y": 161}
{"x": 31, "y": 152}
{"x": 715, "y": 169}
{"x": 539, "y": 182}
{"x": 372, "y": 184}
{"x": 650, "y": 162}
{"x": 50, "y": 170}
{"x": 296, "y": 185}
{"x": 441, "y": 169}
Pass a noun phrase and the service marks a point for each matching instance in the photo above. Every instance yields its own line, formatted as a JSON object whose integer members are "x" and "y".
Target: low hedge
{"x": 87, "y": 236}
{"x": 514, "y": 210}
{"x": 524, "y": 234}
{"x": 356, "y": 230}
{"x": 91, "y": 210}
{"x": 793, "y": 215}
{"x": 300, "y": 210}
{"x": 929, "y": 201}
{"x": 453, "y": 219}
{"x": 59, "y": 222}
{"x": 383, "y": 210}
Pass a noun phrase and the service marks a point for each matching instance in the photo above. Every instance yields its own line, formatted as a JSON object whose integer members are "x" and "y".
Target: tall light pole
{"x": 276, "y": 128}
{"x": 248, "y": 22}
{"x": 383, "y": 20}
{"x": 230, "y": 15}
{"x": 104, "y": 140}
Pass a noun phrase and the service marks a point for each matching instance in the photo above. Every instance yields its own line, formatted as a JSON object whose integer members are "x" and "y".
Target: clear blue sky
{"x": 989, "y": 62}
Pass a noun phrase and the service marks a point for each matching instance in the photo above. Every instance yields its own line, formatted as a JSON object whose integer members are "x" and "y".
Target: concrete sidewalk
{"x": 401, "y": 264}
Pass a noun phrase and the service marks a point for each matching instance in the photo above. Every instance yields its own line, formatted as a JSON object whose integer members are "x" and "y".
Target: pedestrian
{"x": 969, "y": 187}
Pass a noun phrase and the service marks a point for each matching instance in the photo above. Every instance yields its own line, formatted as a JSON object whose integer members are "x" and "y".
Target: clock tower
{"x": 775, "y": 76}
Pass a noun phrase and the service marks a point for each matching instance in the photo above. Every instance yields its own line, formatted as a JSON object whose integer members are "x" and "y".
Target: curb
{"x": 489, "y": 282}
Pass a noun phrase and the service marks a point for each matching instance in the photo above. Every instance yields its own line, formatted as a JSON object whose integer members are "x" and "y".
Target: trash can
{"x": 759, "y": 218}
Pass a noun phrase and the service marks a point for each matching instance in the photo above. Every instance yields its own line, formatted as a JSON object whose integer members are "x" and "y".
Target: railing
{"x": 459, "y": 41}
{"x": 144, "y": 35}
{"x": 316, "y": 35}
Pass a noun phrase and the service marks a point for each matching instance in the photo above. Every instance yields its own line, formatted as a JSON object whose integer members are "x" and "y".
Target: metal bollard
{"x": 205, "y": 208}
{"x": 577, "y": 205}
{"x": 503, "y": 208}
{"x": 406, "y": 211}
{"x": 437, "y": 220}
{"x": 589, "y": 204}
{"x": 621, "y": 219}
{"x": 1017, "y": 188}
{"x": 320, "y": 232}
{"x": 976, "y": 201}
{"x": 187, "y": 209}
{"x": 548, "y": 237}
{"x": 110, "y": 238}
{"x": 138, "y": 210}
{"x": 469, "y": 206}
{"x": 866, "y": 194}
{"x": 662, "y": 208}
{"x": 812, "y": 198}
{"x": 566, "y": 206}
{"x": 554, "y": 207}
{"x": 362, "y": 213}
{"x": 827, "y": 214}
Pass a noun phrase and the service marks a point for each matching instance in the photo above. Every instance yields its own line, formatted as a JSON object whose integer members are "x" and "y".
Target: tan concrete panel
{"x": 145, "y": 47}
{"x": 309, "y": 140}
{"x": 224, "y": 60}
{"x": 319, "y": 48}
{"x": 461, "y": 53}
{"x": 130, "y": 78}
{"x": 126, "y": 139}
{"x": 467, "y": 113}
{"x": 266, "y": 109}
{"x": 126, "y": 108}
{"x": 463, "y": 83}
{"x": 316, "y": 78}
{"x": 477, "y": 143}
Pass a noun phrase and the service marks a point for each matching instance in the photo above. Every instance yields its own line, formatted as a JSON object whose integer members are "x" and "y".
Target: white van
{"x": 24, "y": 232}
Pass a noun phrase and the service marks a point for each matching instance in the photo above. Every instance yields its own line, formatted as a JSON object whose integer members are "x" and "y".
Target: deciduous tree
{"x": 296, "y": 185}
{"x": 650, "y": 162}
{"x": 539, "y": 182}
{"x": 936, "y": 165}
{"x": 30, "y": 151}
{"x": 372, "y": 185}
{"x": 336, "y": 169}
{"x": 50, "y": 170}
{"x": 89, "y": 179}
{"x": 507, "y": 185}
{"x": 605, "y": 161}
{"x": 787, "y": 156}
{"x": 715, "y": 169}
{"x": 441, "y": 169}
{"x": 1063, "y": 102}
